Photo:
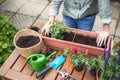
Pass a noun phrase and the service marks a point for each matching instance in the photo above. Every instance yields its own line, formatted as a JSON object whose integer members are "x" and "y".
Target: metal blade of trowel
{"x": 53, "y": 65}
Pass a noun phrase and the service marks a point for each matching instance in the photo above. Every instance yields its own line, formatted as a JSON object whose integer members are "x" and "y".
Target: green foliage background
{"x": 7, "y": 32}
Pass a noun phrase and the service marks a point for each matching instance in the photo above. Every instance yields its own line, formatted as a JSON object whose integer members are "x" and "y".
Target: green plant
{"x": 7, "y": 33}
{"x": 111, "y": 69}
{"x": 57, "y": 30}
{"x": 94, "y": 63}
{"x": 77, "y": 58}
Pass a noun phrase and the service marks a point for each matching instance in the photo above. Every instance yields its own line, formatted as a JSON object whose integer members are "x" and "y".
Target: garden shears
{"x": 66, "y": 75}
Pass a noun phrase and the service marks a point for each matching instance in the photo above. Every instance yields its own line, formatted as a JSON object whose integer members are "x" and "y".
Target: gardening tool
{"x": 38, "y": 61}
{"x": 53, "y": 65}
{"x": 66, "y": 75}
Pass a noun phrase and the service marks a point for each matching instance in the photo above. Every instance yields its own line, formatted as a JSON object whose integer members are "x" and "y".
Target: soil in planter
{"x": 27, "y": 41}
{"x": 68, "y": 36}
{"x": 87, "y": 41}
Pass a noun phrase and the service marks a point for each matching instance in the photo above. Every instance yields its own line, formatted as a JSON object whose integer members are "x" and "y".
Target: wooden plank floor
{"x": 15, "y": 68}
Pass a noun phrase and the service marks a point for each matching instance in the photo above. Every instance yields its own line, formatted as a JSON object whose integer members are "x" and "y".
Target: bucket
{"x": 25, "y": 52}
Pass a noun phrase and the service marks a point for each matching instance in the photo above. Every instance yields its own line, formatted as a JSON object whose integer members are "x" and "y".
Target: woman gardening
{"x": 80, "y": 14}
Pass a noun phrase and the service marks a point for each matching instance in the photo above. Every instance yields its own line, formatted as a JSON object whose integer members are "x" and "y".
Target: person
{"x": 80, "y": 14}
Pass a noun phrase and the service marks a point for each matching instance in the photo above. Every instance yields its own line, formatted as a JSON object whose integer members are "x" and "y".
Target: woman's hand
{"x": 102, "y": 38}
{"x": 103, "y": 35}
{"x": 46, "y": 28}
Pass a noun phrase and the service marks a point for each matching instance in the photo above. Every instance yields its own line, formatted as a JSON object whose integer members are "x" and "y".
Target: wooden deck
{"x": 15, "y": 68}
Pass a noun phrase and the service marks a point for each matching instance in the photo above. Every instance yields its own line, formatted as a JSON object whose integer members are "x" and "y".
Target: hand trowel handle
{"x": 43, "y": 71}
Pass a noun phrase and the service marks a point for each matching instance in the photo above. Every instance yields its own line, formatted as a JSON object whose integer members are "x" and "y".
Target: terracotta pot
{"x": 90, "y": 50}
{"x": 25, "y": 52}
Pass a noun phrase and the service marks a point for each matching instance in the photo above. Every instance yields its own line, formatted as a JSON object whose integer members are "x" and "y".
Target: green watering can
{"x": 38, "y": 61}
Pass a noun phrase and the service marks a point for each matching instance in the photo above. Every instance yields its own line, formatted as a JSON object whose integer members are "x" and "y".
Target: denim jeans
{"x": 83, "y": 24}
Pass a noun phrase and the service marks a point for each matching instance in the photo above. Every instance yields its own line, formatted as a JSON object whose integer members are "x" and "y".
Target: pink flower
{"x": 74, "y": 50}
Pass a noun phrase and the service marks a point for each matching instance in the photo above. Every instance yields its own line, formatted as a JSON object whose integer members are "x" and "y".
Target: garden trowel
{"x": 53, "y": 65}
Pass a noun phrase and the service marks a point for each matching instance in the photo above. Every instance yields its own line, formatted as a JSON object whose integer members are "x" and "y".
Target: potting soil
{"x": 27, "y": 41}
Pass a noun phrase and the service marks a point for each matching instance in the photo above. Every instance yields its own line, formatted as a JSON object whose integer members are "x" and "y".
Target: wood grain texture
{"x": 9, "y": 62}
{"x": 15, "y": 68}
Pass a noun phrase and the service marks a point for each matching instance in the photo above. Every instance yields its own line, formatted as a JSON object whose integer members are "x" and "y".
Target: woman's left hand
{"x": 103, "y": 35}
{"x": 102, "y": 38}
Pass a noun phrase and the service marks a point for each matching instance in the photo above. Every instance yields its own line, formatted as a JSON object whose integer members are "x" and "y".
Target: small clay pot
{"x": 93, "y": 72}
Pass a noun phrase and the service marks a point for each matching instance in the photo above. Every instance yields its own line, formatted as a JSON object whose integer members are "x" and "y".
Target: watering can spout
{"x": 53, "y": 53}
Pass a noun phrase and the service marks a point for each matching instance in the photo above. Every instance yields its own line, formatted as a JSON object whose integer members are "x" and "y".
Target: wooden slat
{"x": 78, "y": 74}
{"x": 8, "y": 63}
{"x": 34, "y": 76}
{"x": 88, "y": 76}
{"x": 15, "y": 75}
{"x": 51, "y": 75}
{"x": 27, "y": 70}
{"x": 68, "y": 66}
{"x": 20, "y": 63}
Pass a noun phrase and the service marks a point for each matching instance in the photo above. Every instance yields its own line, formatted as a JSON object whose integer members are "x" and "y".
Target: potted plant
{"x": 111, "y": 69}
{"x": 27, "y": 42}
{"x": 77, "y": 58}
{"x": 78, "y": 61}
{"x": 62, "y": 44}
{"x": 94, "y": 64}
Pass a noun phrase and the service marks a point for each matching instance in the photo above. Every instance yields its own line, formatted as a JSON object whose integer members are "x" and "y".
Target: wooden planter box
{"x": 62, "y": 44}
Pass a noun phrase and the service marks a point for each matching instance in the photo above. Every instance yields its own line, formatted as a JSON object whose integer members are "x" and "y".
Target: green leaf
{"x": 5, "y": 46}
{"x": 1, "y": 43}
{"x": 57, "y": 30}
{"x": 7, "y": 32}
{"x": 66, "y": 51}
{"x": 1, "y": 49}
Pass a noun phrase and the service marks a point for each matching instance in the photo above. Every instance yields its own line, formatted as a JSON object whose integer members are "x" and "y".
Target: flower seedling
{"x": 77, "y": 58}
{"x": 57, "y": 30}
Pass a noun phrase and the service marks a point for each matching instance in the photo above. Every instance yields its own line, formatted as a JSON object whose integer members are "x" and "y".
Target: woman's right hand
{"x": 46, "y": 28}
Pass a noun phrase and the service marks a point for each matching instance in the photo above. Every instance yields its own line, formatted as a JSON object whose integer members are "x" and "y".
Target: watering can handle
{"x": 29, "y": 57}
{"x": 53, "y": 53}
